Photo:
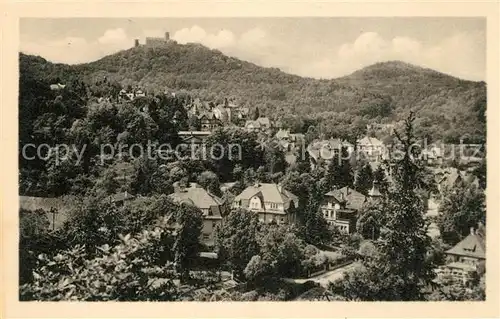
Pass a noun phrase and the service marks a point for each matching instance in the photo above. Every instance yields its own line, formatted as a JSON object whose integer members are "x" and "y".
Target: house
{"x": 289, "y": 141}
{"x": 260, "y": 124}
{"x": 210, "y": 205}
{"x": 131, "y": 95}
{"x": 270, "y": 201}
{"x": 57, "y": 209}
{"x": 140, "y": 93}
{"x": 326, "y": 150}
{"x": 221, "y": 113}
{"x": 373, "y": 148}
{"x": 465, "y": 257}
{"x": 238, "y": 114}
{"x": 340, "y": 207}
{"x": 433, "y": 154}
{"x": 209, "y": 122}
{"x": 252, "y": 126}
{"x": 57, "y": 86}
{"x": 448, "y": 178}
{"x": 283, "y": 135}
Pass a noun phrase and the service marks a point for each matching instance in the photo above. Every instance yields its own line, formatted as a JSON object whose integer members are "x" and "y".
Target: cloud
{"x": 457, "y": 55}
{"x": 222, "y": 39}
{"x": 113, "y": 36}
{"x": 74, "y": 50}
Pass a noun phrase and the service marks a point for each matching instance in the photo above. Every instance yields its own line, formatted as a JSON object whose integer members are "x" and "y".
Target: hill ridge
{"x": 381, "y": 92}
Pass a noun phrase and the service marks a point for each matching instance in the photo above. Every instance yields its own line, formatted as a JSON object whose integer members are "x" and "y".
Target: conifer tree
{"x": 399, "y": 270}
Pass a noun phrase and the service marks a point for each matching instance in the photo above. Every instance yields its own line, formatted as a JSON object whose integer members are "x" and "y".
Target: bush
{"x": 124, "y": 272}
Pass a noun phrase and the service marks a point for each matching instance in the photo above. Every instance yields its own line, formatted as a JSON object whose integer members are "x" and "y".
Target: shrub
{"x": 124, "y": 272}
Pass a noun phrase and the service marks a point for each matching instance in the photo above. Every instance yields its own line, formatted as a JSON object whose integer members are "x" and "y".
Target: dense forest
{"x": 447, "y": 108}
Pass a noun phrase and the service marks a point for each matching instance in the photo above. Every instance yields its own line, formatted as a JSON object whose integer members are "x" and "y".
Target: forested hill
{"x": 447, "y": 107}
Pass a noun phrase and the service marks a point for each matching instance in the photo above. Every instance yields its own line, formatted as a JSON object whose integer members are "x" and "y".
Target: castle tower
{"x": 136, "y": 43}
{"x": 167, "y": 36}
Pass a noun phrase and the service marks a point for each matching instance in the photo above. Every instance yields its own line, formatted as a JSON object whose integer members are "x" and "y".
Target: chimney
{"x": 167, "y": 36}
{"x": 136, "y": 43}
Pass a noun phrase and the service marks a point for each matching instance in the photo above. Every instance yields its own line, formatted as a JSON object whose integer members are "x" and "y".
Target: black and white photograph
{"x": 231, "y": 159}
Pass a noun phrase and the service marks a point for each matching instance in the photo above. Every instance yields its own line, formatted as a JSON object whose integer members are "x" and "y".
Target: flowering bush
{"x": 124, "y": 272}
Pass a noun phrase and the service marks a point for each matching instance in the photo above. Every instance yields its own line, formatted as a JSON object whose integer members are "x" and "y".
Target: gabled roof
{"x": 326, "y": 148}
{"x": 471, "y": 246}
{"x": 269, "y": 192}
{"x": 349, "y": 196}
{"x": 196, "y": 196}
{"x": 206, "y": 114}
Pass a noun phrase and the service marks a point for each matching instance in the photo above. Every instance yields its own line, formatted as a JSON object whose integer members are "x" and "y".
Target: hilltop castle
{"x": 154, "y": 42}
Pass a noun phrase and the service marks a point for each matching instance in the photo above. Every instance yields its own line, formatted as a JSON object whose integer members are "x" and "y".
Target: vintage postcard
{"x": 297, "y": 160}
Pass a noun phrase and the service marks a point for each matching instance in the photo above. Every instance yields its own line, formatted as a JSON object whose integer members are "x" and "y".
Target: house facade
{"x": 260, "y": 124}
{"x": 373, "y": 148}
{"x": 270, "y": 201}
{"x": 209, "y": 121}
{"x": 210, "y": 205}
{"x": 325, "y": 150}
{"x": 340, "y": 207}
{"x": 465, "y": 257}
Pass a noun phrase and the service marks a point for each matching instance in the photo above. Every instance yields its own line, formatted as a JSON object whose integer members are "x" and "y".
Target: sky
{"x": 313, "y": 47}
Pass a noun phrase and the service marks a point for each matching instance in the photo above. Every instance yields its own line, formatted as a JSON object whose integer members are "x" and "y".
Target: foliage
{"x": 370, "y": 221}
{"x": 364, "y": 180}
{"x": 400, "y": 269}
{"x": 239, "y": 147}
{"x": 236, "y": 240}
{"x": 462, "y": 207}
{"x": 209, "y": 181}
{"x": 33, "y": 239}
{"x": 124, "y": 272}
{"x": 189, "y": 221}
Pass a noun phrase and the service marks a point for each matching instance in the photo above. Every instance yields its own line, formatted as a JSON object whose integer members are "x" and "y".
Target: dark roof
{"x": 349, "y": 196}
{"x": 471, "y": 246}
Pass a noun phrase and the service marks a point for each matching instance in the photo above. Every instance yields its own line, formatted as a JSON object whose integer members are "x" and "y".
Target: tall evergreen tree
{"x": 364, "y": 179}
{"x": 399, "y": 270}
{"x": 256, "y": 114}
